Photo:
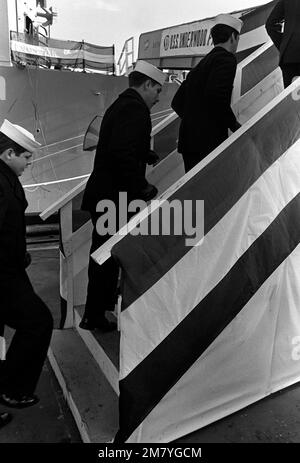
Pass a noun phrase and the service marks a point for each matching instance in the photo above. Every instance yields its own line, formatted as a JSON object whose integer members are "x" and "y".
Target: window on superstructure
{"x": 28, "y": 25}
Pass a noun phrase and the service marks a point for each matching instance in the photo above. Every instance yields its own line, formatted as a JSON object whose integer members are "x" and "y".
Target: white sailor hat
{"x": 19, "y": 135}
{"x": 229, "y": 20}
{"x": 151, "y": 71}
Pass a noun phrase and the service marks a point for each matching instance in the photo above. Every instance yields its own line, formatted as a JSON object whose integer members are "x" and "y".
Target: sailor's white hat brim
{"x": 150, "y": 71}
{"x": 229, "y": 20}
{"x": 20, "y": 136}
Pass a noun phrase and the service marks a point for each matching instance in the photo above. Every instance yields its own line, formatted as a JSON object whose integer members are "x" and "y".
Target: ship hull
{"x": 57, "y": 107}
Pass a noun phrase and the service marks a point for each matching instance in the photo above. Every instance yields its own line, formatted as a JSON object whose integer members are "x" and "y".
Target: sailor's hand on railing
{"x": 152, "y": 158}
{"x": 27, "y": 260}
{"x": 148, "y": 193}
{"x": 236, "y": 127}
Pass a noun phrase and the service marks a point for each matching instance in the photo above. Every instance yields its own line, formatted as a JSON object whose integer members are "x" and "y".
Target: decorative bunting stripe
{"x": 189, "y": 340}
{"x": 173, "y": 297}
{"x": 256, "y": 17}
{"x": 257, "y": 354}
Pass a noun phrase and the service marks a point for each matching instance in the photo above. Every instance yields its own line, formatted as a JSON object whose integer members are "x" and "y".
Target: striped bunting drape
{"x": 208, "y": 330}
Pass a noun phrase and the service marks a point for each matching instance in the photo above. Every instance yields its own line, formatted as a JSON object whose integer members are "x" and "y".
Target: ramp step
{"x": 104, "y": 347}
{"x": 91, "y": 398}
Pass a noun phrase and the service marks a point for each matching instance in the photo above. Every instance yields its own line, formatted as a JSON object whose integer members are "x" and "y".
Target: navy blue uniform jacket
{"x": 12, "y": 224}
{"x": 122, "y": 151}
{"x": 287, "y": 42}
{"x": 203, "y": 103}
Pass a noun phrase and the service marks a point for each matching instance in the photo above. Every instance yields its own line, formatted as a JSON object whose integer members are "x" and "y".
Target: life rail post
{"x": 73, "y": 259}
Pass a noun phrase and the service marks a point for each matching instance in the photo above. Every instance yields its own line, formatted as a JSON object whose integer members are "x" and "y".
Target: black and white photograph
{"x": 149, "y": 228}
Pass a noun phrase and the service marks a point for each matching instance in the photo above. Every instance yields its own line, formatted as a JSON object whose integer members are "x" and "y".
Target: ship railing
{"x": 168, "y": 174}
{"x": 126, "y": 59}
{"x": 73, "y": 247}
{"x": 36, "y": 38}
{"x": 258, "y": 80}
{"x": 253, "y": 69}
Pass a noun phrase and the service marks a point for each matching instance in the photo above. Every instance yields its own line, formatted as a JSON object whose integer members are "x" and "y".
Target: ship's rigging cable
{"x": 56, "y": 152}
{"x": 63, "y": 141}
{"x": 38, "y": 122}
{"x": 161, "y": 112}
{"x": 63, "y": 180}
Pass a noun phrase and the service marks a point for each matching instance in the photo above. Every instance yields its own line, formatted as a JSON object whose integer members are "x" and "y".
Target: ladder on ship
{"x": 126, "y": 59}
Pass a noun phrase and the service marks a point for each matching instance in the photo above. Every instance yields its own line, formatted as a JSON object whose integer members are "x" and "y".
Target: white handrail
{"x": 64, "y": 200}
{"x": 163, "y": 124}
{"x": 56, "y": 182}
{"x": 61, "y": 141}
{"x": 256, "y": 53}
{"x": 249, "y": 59}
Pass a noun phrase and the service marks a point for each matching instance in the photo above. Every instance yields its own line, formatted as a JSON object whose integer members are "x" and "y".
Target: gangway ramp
{"x": 97, "y": 348}
{"x": 208, "y": 330}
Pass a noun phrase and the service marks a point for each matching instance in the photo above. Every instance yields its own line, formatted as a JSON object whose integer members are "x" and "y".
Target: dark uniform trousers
{"x": 103, "y": 276}
{"x": 191, "y": 159}
{"x": 26, "y": 313}
{"x": 289, "y": 71}
{"x": 20, "y": 308}
{"x": 102, "y": 290}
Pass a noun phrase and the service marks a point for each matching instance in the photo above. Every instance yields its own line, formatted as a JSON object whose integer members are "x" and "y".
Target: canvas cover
{"x": 210, "y": 329}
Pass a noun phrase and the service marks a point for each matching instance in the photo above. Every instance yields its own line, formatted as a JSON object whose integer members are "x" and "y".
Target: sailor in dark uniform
{"x": 20, "y": 307}
{"x": 120, "y": 163}
{"x": 203, "y": 100}
{"x": 287, "y": 40}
